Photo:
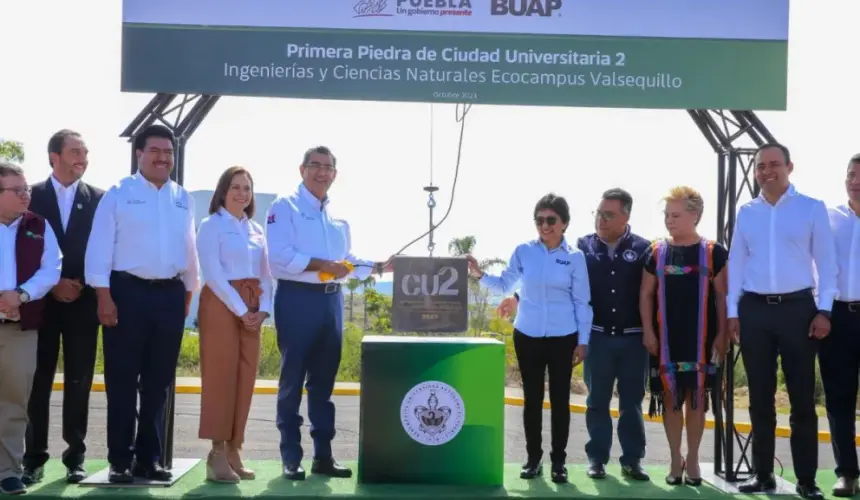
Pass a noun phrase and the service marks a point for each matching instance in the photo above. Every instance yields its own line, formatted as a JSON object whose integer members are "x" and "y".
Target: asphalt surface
{"x": 262, "y": 436}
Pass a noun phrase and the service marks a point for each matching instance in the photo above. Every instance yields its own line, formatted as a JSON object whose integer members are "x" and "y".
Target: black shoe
{"x": 596, "y": 471}
{"x": 329, "y": 467}
{"x": 32, "y": 475}
{"x": 152, "y": 471}
{"x": 558, "y": 473}
{"x": 120, "y": 475}
{"x": 76, "y": 474}
{"x": 294, "y": 472}
{"x": 810, "y": 491}
{"x": 635, "y": 472}
{"x": 758, "y": 484}
{"x": 531, "y": 469}
{"x": 12, "y": 486}
{"x": 845, "y": 487}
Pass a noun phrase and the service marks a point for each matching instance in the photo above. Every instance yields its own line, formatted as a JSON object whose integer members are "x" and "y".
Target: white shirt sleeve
{"x": 738, "y": 255}
{"x": 281, "y": 235}
{"x": 210, "y": 263}
{"x": 191, "y": 276}
{"x": 824, "y": 256}
{"x": 98, "y": 261}
{"x": 266, "y": 281}
{"x": 50, "y": 269}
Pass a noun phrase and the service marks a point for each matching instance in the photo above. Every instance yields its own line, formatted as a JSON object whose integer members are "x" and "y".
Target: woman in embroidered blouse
{"x": 683, "y": 308}
{"x": 236, "y": 299}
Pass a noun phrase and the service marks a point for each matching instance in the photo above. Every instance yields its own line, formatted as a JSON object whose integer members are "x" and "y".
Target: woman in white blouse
{"x": 236, "y": 299}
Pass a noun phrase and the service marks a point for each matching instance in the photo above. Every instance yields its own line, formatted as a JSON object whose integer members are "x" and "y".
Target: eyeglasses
{"x": 550, "y": 221}
{"x": 325, "y": 167}
{"x": 607, "y": 216}
{"x": 20, "y": 191}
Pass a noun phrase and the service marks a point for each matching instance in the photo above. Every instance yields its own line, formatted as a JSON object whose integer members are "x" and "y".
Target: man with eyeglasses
{"x": 614, "y": 256}
{"x": 310, "y": 256}
{"x": 142, "y": 260}
{"x": 30, "y": 265}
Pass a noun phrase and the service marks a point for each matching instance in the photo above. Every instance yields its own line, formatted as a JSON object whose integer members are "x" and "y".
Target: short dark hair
{"x": 786, "y": 154}
{"x": 321, "y": 150}
{"x": 555, "y": 203}
{"x": 56, "y": 142}
{"x": 220, "y": 194}
{"x": 9, "y": 169}
{"x": 854, "y": 160}
{"x": 620, "y": 196}
{"x": 153, "y": 131}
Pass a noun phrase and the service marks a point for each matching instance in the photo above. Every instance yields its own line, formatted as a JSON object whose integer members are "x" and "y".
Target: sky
{"x": 61, "y": 69}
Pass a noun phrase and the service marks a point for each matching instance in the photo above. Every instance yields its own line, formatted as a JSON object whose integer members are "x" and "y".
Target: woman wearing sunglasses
{"x": 551, "y": 329}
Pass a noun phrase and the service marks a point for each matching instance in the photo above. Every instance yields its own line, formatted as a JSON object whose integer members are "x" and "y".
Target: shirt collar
{"x": 226, "y": 213}
{"x": 58, "y": 186}
{"x": 308, "y": 197}
{"x": 620, "y": 239}
{"x": 791, "y": 191}
{"x": 140, "y": 178}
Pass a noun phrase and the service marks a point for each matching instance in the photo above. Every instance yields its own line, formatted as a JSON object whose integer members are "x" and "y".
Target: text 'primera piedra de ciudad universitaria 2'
{"x": 557, "y": 69}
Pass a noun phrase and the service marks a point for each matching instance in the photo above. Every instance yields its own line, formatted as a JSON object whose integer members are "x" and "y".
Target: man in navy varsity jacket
{"x": 30, "y": 264}
{"x": 614, "y": 257}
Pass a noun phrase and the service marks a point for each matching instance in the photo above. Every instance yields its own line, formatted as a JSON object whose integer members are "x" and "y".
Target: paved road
{"x": 262, "y": 436}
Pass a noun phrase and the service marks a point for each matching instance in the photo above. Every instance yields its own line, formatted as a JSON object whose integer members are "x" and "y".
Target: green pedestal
{"x": 432, "y": 410}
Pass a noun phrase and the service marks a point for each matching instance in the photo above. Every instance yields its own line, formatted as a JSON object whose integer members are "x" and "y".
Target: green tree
{"x": 480, "y": 297}
{"x": 352, "y": 285}
{"x": 367, "y": 284}
{"x": 11, "y": 151}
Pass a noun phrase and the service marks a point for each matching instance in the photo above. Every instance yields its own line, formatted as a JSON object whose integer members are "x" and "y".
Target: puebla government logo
{"x": 432, "y": 413}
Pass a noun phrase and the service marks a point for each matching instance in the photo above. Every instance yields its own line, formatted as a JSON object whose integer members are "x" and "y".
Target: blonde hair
{"x": 691, "y": 199}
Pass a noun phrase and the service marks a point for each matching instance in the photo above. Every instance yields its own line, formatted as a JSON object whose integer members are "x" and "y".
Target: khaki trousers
{"x": 17, "y": 367}
{"x": 229, "y": 359}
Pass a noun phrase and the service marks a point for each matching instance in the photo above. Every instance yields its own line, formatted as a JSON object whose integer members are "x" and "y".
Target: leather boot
{"x": 234, "y": 458}
{"x": 218, "y": 469}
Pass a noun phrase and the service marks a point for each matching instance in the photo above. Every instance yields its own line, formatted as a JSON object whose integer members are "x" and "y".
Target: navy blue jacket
{"x": 615, "y": 282}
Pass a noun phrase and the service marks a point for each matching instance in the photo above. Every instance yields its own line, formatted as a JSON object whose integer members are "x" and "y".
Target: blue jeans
{"x": 625, "y": 359}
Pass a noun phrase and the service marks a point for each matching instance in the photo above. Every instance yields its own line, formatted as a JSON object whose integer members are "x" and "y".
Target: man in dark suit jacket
{"x": 70, "y": 310}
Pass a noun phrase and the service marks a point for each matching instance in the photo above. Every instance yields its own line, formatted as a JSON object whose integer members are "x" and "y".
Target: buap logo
{"x": 370, "y": 8}
{"x": 520, "y": 8}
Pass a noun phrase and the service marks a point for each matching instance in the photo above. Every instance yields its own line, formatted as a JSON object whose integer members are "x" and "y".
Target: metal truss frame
{"x": 733, "y": 136}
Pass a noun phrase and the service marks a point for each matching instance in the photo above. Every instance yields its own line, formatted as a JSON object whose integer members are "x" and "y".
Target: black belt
{"x": 148, "y": 281}
{"x": 314, "y": 287}
{"x": 851, "y": 307}
{"x": 779, "y": 298}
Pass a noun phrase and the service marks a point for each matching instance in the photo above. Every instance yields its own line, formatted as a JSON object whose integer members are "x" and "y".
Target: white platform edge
{"x": 783, "y": 486}
{"x": 181, "y": 466}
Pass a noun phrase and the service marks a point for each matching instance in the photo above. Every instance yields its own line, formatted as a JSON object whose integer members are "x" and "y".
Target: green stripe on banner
{"x": 447, "y": 67}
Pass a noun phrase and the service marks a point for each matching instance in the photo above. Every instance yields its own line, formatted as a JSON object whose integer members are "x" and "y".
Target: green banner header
{"x": 542, "y": 70}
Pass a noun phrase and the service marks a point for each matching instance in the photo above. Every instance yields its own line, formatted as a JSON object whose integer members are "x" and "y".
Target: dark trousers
{"x": 76, "y": 323}
{"x": 770, "y": 329}
{"x": 309, "y": 322}
{"x": 625, "y": 359}
{"x": 140, "y": 354}
{"x": 536, "y": 356}
{"x": 839, "y": 358}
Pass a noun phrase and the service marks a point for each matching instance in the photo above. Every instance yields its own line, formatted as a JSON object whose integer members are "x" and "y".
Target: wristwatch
{"x": 23, "y": 296}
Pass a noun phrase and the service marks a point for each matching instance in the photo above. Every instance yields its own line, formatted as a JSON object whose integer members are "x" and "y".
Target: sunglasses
{"x": 550, "y": 221}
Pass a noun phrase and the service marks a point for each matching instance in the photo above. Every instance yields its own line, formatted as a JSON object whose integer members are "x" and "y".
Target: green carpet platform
{"x": 270, "y": 484}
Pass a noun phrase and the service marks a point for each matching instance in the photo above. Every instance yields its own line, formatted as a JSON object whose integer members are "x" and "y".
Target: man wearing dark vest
{"x": 615, "y": 353}
{"x": 30, "y": 264}
{"x": 68, "y": 204}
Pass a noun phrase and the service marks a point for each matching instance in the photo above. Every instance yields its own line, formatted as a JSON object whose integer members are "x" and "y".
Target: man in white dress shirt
{"x": 773, "y": 312}
{"x": 304, "y": 240}
{"x": 839, "y": 354}
{"x": 30, "y": 264}
{"x": 142, "y": 261}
